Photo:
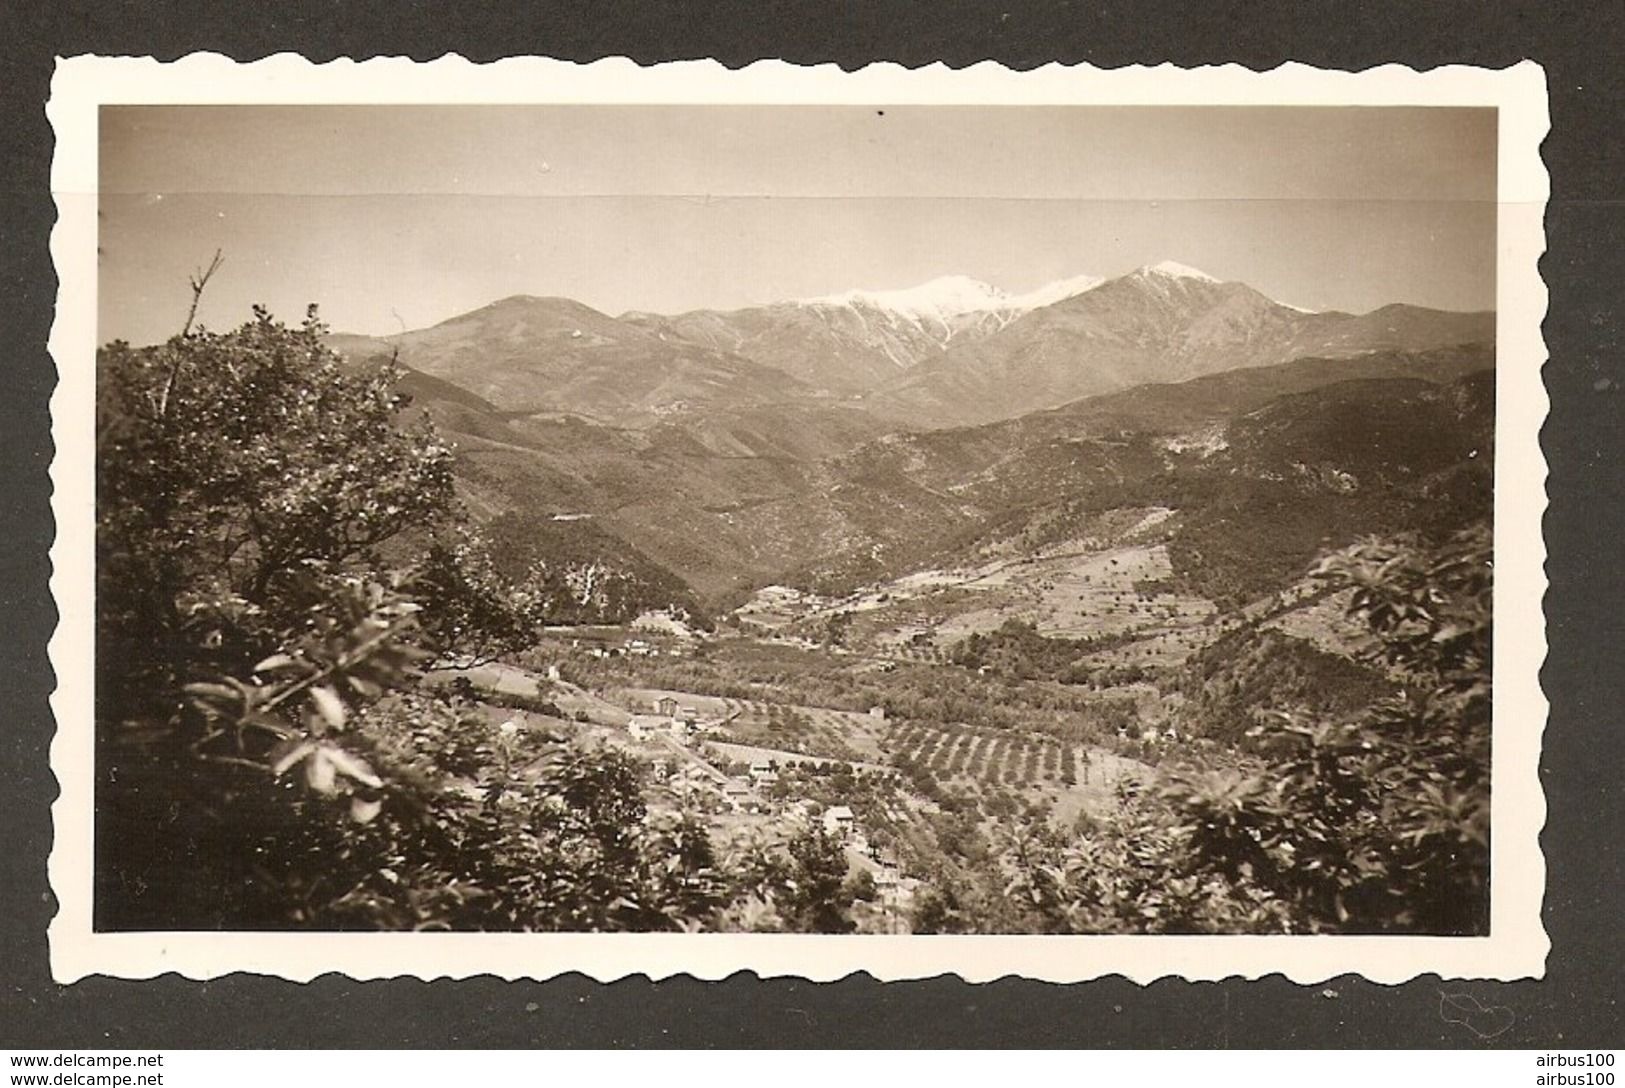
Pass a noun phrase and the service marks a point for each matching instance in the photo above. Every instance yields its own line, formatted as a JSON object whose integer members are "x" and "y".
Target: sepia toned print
{"x": 1041, "y": 524}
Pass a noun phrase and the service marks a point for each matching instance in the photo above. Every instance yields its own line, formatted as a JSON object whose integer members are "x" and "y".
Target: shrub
{"x": 241, "y": 476}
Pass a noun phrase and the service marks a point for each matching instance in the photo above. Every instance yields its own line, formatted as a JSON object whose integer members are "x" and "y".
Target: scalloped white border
{"x": 1517, "y": 945}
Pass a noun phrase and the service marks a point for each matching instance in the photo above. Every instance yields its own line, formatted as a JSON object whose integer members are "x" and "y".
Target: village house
{"x": 763, "y": 773}
{"x": 666, "y": 706}
{"x": 878, "y": 713}
{"x": 838, "y": 820}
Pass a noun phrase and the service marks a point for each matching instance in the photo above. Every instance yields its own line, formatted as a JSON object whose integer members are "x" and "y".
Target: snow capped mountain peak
{"x": 956, "y": 296}
{"x": 1175, "y": 270}
{"x": 945, "y": 296}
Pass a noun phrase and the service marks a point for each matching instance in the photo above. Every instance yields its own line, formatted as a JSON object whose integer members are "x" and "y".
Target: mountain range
{"x": 857, "y": 340}
{"x": 948, "y": 352}
{"x": 1165, "y": 322}
{"x": 556, "y": 356}
{"x": 849, "y": 438}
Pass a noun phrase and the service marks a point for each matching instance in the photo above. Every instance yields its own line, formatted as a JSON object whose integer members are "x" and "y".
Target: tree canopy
{"x": 238, "y": 474}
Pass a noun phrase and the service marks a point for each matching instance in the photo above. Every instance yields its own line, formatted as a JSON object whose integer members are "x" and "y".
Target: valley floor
{"x": 931, "y": 721}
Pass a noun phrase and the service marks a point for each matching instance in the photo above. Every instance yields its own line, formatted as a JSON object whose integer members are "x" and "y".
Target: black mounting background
{"x": 1576, "y": 1005}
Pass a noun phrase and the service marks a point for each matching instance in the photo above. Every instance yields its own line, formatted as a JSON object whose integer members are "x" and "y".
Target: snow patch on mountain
{"x": 1175, "y": 270}
{"x": 948, "y": 297}
{"x": 945, "y": 296}
{"x": 1051, "y": 293}
{"x": 957, "y": 296}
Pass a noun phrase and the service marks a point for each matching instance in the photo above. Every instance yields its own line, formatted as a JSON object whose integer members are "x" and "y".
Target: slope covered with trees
{"x": 1372, "y": 823}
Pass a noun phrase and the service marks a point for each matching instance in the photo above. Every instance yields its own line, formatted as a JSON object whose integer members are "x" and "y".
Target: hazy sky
{"x": 392, "y": 216}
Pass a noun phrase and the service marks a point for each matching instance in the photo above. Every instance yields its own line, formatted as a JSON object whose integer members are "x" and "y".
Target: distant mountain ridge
{"x": 533, "y": 355}
{"x": 849, "y": 342}
{"x": 948, "y": 352}
{"x": 848, "y": 437}
{"x": 1161, "y": 323}
{"x": 948, "y": 297}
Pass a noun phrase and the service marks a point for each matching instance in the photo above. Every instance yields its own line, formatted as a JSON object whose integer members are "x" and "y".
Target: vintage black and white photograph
{"x": 875, "y": 518}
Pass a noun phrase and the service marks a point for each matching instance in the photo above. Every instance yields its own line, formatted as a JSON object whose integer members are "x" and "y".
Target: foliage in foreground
{"x": 278, "y": 557}
{"x": 242, "y": 477}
